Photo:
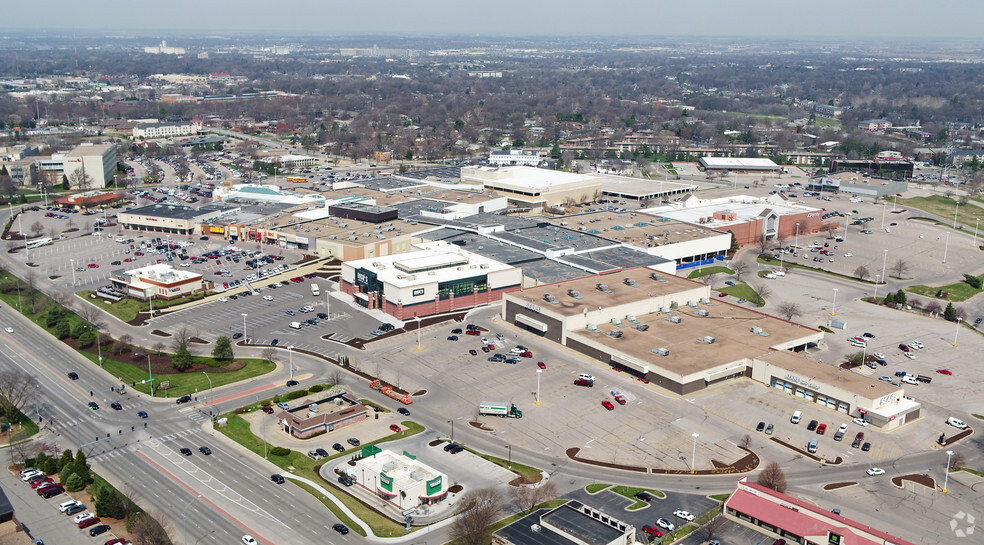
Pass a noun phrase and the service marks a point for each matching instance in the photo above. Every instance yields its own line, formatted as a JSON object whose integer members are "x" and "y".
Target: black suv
{"x": 182, "y": 399}
{"x": 322, "y": 452}
{"x": 277, "y": 478}
{"x": 346, "y": 480}
{"x": 338, "y": 447}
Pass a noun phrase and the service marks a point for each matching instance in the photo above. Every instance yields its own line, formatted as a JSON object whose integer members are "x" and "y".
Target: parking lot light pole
{"x": 693, "y": 462}
{"x": 876, "y": 286}
{"x": 290, "y": 358}
{"x": 245, "y": 339}
{"x": 797, "y": 239}
{"x": 833, "y": 306}
{"x": 884, "y": 207}
{"x": 946, "y": 246}
{"x": 946, "y": 475}
{"x": 72, "y": 262}
{"x": 538, "y": 373}
{"x": 418, "y": 332}
{"x": 957, "y": 331}
{"x": 955, "y": 209}
{"x": 885, "y": 262}
{"x": 976, "y": 225}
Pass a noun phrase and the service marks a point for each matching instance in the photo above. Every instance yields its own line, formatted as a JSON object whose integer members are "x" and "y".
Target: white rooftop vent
{"x": 550, "y": 298}
{"x": 604, "y": 288}
{"x": 706, "y": 340}
{"x": 691, "y": 304}
{"x": 664, "y": 310}
{"x": 575, "y": 294}
{"x": 702, "y": 312}
{"x": 661, "y": 351}
{"x": 630, "y": 282}
{"x": 705, "y": 301}
{"x": 484, "y": 266}
{"x": 674, "y": 319}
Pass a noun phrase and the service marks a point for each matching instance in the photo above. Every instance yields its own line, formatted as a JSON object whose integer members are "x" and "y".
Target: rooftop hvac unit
{"x": 484, "y": 266}
{"x": 614, "y": 333}
{"x": 353, "y": 237}
{"x": 664, "y": 310}
{"x": 575, "y": 294}
{"x": 375, "y": 264}
{"x": 702, "y": 312}
{"x": 641, "y": 327}
{"x": 351, "y": 232}
{"x": 673, "y": 319}
{"x": 431, "y": 273}
{"x": 630, "y": 282}
{"x": 706, "y": 340}
{"x": 461, "y": 268}
{"x": 332, "y": 237}
{"x": 631, "y": 318}
{"x": 604, "y": 288}
{"x": 381, "y": 237}
{"x": 705, "y": 301}
{"x": 661, "y": 351}
{"x": 401, "y": 277}
{"x": 657, "y": 277}
{"x": 411, "y": 277}
{"x": 756, "y": 330}
{"x": 549, "y": 298}
{"x": 592, "y": 328}
{"x": 616, "y": 322}
{"x": 691, "y": 304}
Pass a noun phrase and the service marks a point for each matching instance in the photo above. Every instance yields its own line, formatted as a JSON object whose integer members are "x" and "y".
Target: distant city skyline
{"x": 758, "y": 19}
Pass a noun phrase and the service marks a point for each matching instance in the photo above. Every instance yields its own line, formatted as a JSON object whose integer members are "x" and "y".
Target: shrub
{"x": 295, "y": 394}
{"x": 280, "y": 451}
{"x": 316, "y": 388}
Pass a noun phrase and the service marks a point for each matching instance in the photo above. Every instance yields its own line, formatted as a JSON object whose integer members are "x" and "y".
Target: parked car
{"x": 608, "y": 405}
{"x": 395, "y": 428}
{"x": 685, "y": 515}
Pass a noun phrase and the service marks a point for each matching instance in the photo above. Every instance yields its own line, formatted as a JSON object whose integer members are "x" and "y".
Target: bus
{"x": 297, "y": 180}
{"x": 38, "y": 242}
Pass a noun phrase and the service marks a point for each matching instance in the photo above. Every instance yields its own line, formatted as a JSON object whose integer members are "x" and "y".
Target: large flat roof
{"x": 430, "y": 262}
{"x": 833, "y": 375}
{"x": 584, "y": 528}
{"x": 746, "y": 208}
{"x": 634, "y": 227}
{"x": 641, "y": 187}
{"x": 527, "y": 178}
{"x": 172, "y": 211}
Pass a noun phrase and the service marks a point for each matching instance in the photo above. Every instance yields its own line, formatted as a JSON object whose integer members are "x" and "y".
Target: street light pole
{"x": 884, "y": 206}
{"x": 876, "y": 287}
{"x": 957, "y": 332}
{"x": 538, "y": 373}
{"x": 72, "y": 261}
{"x": 796, "y": 241}
{"x": 946, "y": 476}
{"x": 693, "y": 462}
{"x": 452, "y": 429}
{"x": 209, "y": 391}
{"x": 509, "y": 461}
{"x": 418, "y": 332}
{"x": 955, "y": 209}
{"x": 976, "y": 225}
{"x": 946, "y": 246}
{"x": 885, "y": 262}
{"x": 833, "y": 306}
{"x": 245, "y": 339}
{"x": 184, "y": 521}
{"x": 150, "y": 373}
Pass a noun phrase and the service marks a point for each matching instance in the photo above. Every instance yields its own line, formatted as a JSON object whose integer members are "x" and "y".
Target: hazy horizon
{"x": 902, "y": 20}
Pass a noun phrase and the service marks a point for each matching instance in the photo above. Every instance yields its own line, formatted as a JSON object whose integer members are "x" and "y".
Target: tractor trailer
{"x": 496, "y": 408}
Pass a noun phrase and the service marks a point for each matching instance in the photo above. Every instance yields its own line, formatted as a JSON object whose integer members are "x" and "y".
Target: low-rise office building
{"x": 170, "y": 218}
{"x": 324, "y": 415}
{"x": 438, "y": 277}
{"x": 739, "y": 164}
{"x": 514, "y": 157}
{"x": 167, "y": 130}
{"x": 158, "y": 281}
{"x": 97, "y": 162}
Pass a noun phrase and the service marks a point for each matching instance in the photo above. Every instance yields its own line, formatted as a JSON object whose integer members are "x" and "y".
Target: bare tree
{"x": 957, "y": 461}
{"x": 861, "y": 272}
{"x": 711, "y": 528}
{"x": 149, "y": 529}
{"x": 740, "y": 268}
{"x": 159, "y": 347}
{"x": 789, "y": 309}
{"x": 746, "y": 440}
{"x": 762, "y": 290}
{"x": 268, "y": 354}
{"x": 529, "y": 496}
{"x": 37, "y": 228}
{"x": 707, "y": 276}
{"x": 80, "y": 179}
{"x": 23, "y": 450}
{"x": 181, "y": 337}
{"x": 123, "y": 344}
{"x": 336, "y": 375}
{"x": 899, "y": 268}
{"x": 90, "y": 314}
{"x": 479, "y": 509}
{"x": 934, "y": 307}
{"x": 773, "y": 477}
{"x": 15, "y": 389}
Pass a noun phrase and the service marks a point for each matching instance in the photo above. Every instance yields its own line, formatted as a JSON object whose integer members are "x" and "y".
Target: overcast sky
{"x": 747, "y": 18}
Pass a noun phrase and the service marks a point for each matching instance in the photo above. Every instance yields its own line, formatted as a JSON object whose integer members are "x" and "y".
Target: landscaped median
{"x": 297, "y": 463}
{"x": 630, "y": 492}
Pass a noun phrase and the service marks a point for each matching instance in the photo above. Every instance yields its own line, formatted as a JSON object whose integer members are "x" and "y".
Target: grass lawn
{"x": 742, "y": 290}
{"x": 630, "y": 492}
{"x": 595, "y": 488}
{"x": 714, "y": 269}
{"x": 944, "y": 207}
{"x": 720, "y": 497}
{"x": 300, "y": 464}
{"x": 125, "y": 310}
{"x": 531, "y": 474}
{"x": 960, "y": 291}
{"x": 787, "y": 264}
{"x": 973, "y": 471}
{"x": 181, "y": 383}
{"x": 826, "y": 122}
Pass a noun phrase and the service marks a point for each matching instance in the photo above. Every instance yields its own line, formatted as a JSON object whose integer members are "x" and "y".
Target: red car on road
{"x": 541, "y": 365}
{"x": 944, "y": 371}
{"x": 608, "y": 405}
{"x": 620, "y": 400}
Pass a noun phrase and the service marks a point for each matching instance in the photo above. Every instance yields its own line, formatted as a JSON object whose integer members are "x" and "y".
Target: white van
{"x": 956, "y": 423}
{"x": 294, "y": 325}
{"x": 813, "y": 446}
{"x": 796, "y": 417}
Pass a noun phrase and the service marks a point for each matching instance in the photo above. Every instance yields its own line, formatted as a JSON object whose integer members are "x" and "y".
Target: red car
{"x": 115, "y": 541}
{"x": 608, "y": 405}
{"x": 93, "y": 266}
{"x": 42, "y": 482}
{"x": 541, "y": 365}
{"x": 491, "y": 347}
{"x": 472, "y": 332}
{"x": 653, "y": 531}
{"x": 944, "y": 371}
{"x": 394, "y": 427}
{"x": 620, "y": 400}
{"x": 138, "y": 254}
{"x": 643, "y": 380}
{"x": 89, "y": 522}
{"x": 268, "y": 409}
{"x": 821, "y": 429}
{"x": 722, "y": 294}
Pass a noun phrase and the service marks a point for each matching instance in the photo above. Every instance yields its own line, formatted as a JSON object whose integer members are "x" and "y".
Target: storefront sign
{"x": 534, "y": 308}
{"x": 804, "y": 382}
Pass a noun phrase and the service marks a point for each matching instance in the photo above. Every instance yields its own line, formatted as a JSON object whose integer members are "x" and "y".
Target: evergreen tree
{"x": 223, "y": 349}
{"x": 74, "y": 483}
{"x": 66, "y": 473}
{"x": 182, "y": 358}
{"x": 890, "y": 299}
{"x": 949, "y": 313}
{"x": 81, "y": 467}
{"x": 50, "y": 466}
{"x": 66, "y": 459}
{"x": 900, "y": 297}
{"x": 110, "y": 503}
{"x": 86, "y": 338}
{"x": 63, "y": 328}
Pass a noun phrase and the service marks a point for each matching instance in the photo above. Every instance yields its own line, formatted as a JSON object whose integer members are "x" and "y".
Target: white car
{"x": 485, "y": 340}
{"x": 68, "y": 505}
{"x": 268, "y": 298}
{"x": 249, "y": 540}
{"x": 687, "y": 516}
{"x": 29, "y": 474}
{"x": 879, "y": 355}
{"x": 82, "y": 516}
{"x": 860, "y": 421}
{"x": 848, "y": 254}
{"x": 665, "y": 524}
{"x": 185, "y": 264}
{"x": 875, "y": 471}
{"x": 916, "y": 344}
{"x": 8, "y": 329}
{"x": 222, "y": 299}
{"x": 842, "y": 428}
{"x": 909, "y": 355}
